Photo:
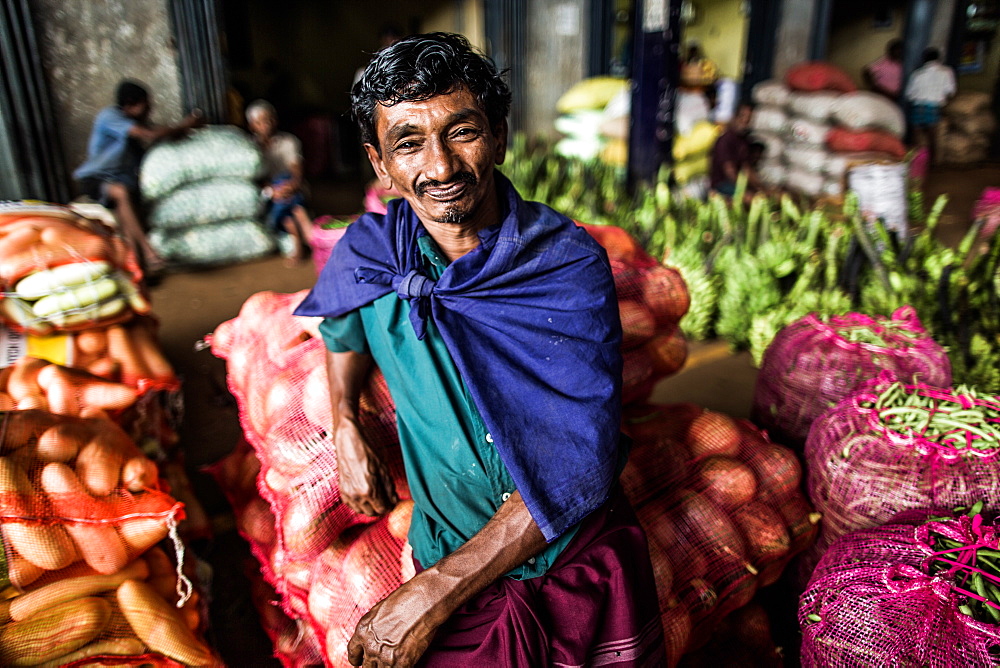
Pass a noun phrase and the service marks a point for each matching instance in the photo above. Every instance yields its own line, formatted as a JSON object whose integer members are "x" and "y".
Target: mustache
{"x": 461, "y": 177}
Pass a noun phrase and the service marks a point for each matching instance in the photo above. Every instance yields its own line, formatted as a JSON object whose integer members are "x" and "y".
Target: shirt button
{"x": 489, "y": 438}
{"x": 505, "y": 496}
{"x": 531, "y": 561}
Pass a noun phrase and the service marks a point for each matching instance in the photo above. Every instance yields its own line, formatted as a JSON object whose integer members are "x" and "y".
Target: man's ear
{"x": 376, "y": 160}
{"x": 500, "y": 136}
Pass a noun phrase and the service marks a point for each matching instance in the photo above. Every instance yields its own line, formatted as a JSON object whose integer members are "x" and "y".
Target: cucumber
{"x": 77, "y": 298}
{"x": 48, "y": 281}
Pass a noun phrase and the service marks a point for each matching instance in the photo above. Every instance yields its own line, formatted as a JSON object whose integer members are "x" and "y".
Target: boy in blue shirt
{"x": 110, "y": 174}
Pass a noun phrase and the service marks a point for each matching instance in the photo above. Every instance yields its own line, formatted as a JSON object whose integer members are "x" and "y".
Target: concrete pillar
{"x": 794, "y": 33}
{"x": 556, "y": 58}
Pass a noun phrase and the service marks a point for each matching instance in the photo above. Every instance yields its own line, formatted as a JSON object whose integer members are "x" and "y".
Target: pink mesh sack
{"x": 812, "y": 364}
{"x": 722, "y": 510}
{"x": 919, "y": 591}
{"x": 892, "y": 447}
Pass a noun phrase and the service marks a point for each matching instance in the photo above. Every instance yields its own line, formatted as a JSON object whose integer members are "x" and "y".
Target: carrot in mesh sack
{"x": 65, "y": 274}
{"x": 923, "y": 589}
{"x": 813, "y": 363}
{"x": 892, "y": 447}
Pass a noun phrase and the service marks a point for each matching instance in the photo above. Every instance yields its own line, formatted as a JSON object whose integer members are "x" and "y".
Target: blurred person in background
{"x": 110, "y": 174}
{"x": 928, "y": 89}
{"x": 527, "y": 552}
{"x": 285, "y": 214}
{"x": 732, "y": 154}
{"x": 885, "y": 74}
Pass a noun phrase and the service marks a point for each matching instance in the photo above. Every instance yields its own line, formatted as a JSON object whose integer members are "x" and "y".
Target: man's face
{"x": 741, "y": 121}
{"x": 439, "y": 154}
{"x": 138, "y": 111}
{"x": 262, "y": 123}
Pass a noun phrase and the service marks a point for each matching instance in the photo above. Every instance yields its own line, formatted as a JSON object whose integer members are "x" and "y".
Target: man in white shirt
{"x": 282, "y": 151}
{"x": 927, "y": 91}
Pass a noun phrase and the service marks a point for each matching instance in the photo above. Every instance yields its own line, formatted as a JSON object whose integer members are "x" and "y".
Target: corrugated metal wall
{"x": 195, "y": 25}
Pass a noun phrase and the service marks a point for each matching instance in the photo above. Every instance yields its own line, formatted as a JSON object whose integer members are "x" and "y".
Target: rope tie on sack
{"x": 183, "y": 586}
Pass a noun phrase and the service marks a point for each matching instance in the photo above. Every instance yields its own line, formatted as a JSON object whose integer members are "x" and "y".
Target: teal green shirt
{"x": 456, "y": 477}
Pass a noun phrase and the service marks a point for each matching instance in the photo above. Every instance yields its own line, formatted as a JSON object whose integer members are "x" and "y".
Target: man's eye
{"x": 466, "y": 132}
{"x": 406, "y": 145}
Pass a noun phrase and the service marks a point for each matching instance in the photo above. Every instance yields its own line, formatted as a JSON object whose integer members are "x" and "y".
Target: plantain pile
{"x": 753, "y": 265}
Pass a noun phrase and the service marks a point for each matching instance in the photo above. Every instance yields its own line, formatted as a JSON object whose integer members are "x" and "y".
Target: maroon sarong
{"x": 596, "y": 606}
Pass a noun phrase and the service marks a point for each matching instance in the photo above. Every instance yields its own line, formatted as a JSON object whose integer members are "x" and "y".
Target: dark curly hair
{"x": 421, "y": 67}
{"x": 130, "y": 92}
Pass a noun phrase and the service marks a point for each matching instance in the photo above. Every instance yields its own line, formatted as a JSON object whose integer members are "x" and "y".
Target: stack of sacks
{"x": 581, "y": 110}
{"x": 205, "y": 204}
{"x": 722, "y": 510}
{"x": 967, "y": 129}
{"x": 692, "y": 152}
{"x": 815, "y": 125}
{"x": 328, "y": 564}
{"x": 83, "y": 515}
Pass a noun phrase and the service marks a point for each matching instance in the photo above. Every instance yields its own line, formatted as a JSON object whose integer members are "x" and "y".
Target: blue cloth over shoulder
{"x": 531, "y": 320}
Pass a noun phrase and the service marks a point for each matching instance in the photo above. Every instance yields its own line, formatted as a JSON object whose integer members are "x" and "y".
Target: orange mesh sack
{"x": 81, "y": 515}
{"x": 652, "y": 299}
{"x": 722, "y": 509}
{"x": 61, "y": 272}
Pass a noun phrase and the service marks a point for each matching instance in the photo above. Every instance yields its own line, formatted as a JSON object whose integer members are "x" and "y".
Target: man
{"x": 282, "y": 151}
{"x": 731, "y": 155}
{"x": 495, "y": 324}
{"x": 110, "y": 174}
{"x": 885, "y": 74}
{"x": 927, "y": 91}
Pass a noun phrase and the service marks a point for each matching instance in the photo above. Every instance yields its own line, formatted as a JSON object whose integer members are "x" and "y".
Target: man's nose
{"x": 442, "y": 162}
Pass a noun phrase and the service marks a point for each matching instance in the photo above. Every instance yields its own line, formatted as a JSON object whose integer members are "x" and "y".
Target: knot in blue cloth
{"x": 413, "y": 285}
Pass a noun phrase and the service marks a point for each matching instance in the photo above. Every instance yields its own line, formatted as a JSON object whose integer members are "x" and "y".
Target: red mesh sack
{"x": 816, "y": 75}
{"x": 814, "y": 363}
{"x": 722, "y": 510}
{"x": 843, "y": 140}
{"x": 905, "y": 594}
{"x": 742, "y": 640}
{"x": 81, "y": 514}
{"x": 61, "y": 272}
{"x": 295, "y": 644}
{"x": 652, "y": 299}
{"x": 354, "y": 574}
{"x": 892, "y": 447}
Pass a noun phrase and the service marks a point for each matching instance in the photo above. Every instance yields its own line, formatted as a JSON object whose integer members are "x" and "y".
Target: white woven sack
{"x": 814, "y": 106}
{"x": 807, "y": 157}
{"x": 805, "y": 182}
{"x": 774, "y": 145}
{"x": 808, "y": 131}
{"x": 833, "y": 187}
{"x": 768, "y": 119}
{"x": 772, "y": 172}
{"x": 770, "y": 93}
{"x": 864, "y": 109}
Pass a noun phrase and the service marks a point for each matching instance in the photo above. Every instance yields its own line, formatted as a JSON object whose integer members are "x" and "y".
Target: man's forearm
{"x": 510, "y": 538}
{"x": 347, "y": 373}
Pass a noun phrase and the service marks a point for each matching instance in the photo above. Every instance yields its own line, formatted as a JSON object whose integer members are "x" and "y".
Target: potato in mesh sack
{"x": 61, "y": 272}
{"x": 722, "y": 510}
{"x": 81, "y": 515}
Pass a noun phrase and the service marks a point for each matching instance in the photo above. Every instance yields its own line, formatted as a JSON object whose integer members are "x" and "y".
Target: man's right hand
{"x": 365, "y": 484}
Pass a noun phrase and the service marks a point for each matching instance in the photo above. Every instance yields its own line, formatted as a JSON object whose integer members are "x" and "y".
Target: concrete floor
{"x": 190, "y": 305}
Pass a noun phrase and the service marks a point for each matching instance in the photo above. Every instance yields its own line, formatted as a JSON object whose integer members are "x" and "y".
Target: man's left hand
{"x": 398, "y": 630}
